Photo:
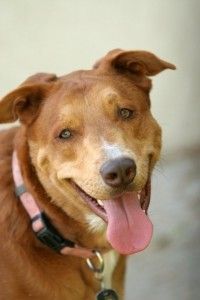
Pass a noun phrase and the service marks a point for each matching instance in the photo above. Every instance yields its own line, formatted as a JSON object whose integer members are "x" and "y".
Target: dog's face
{"x": 91, "y": 134}
{"x": 93, "y": 123}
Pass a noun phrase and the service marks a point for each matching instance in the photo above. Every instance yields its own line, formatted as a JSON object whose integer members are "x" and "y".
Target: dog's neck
{"x": 45, "y": 194}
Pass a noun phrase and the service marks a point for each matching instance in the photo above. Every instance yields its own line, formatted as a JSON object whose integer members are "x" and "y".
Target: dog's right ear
{"x": 23, "y": 103}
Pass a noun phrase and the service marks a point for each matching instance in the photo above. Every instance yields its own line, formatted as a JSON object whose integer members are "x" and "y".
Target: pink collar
{"x": 41, "y": 225}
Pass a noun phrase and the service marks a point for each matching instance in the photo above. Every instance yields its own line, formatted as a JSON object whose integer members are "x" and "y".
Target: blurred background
{"x": 62, "y": 36}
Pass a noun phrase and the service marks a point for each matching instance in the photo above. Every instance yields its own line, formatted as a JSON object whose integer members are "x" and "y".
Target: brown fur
{"x": 85, "y": 102}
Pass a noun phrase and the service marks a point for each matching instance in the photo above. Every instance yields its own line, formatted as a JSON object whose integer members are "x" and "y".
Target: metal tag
{"x": 107, "y": 294}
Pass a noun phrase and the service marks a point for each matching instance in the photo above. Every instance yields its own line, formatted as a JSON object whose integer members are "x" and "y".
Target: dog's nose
{"x": 118, "y": 172}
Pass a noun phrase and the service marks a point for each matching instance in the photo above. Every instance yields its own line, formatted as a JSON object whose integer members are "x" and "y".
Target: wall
{"x": 61, "y": 36}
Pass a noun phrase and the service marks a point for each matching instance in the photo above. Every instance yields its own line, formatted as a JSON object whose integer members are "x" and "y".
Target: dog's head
{"x": 93, "y": 140}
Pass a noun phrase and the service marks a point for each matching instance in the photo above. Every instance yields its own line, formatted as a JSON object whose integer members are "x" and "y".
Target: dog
{"x": 75, "y": 178}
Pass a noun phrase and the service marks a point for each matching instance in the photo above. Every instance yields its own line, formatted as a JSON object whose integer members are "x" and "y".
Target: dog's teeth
{"x": 100, "y": 202}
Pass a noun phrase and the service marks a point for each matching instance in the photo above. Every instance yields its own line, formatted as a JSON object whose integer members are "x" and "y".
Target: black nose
{"x": 118, "y": 172}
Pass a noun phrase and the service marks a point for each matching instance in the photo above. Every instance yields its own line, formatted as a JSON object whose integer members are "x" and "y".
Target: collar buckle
{"x": 49, "y": 236}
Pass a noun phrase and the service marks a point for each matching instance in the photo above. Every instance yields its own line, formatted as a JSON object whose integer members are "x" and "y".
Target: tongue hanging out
{"x": 129, "y": 228}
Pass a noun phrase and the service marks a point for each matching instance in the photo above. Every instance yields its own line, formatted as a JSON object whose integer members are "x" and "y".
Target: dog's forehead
{"x": 107, "y": 93}
{"x": 83, "y": 88}
{"x": 88, "y": 103}
{"x": 83, "y": 92}
{"x": 86, "y": 91}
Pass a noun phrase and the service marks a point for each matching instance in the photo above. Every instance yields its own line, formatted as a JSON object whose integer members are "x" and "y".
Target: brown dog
{"x": 86, "y": 148}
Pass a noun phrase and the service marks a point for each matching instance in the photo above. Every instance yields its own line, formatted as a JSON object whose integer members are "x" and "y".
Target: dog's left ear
{"x": 23, "y": 103}
{"x": 138, "y": 64}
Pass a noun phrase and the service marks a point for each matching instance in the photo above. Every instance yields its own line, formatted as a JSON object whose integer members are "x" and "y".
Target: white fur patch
{"x": 96, "y": 224}
{"x": 113, "y": 151}
{"x": 110, "y": 262}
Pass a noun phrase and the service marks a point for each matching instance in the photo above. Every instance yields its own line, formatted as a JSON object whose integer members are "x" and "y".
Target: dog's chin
{"x": 97, "y": 206}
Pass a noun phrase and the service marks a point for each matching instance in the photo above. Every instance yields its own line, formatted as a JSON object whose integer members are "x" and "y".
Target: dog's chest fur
{"x": 110, "y": 261}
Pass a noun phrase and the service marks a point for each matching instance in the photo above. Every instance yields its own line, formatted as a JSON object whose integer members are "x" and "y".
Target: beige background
{"x": 61, "y": 36}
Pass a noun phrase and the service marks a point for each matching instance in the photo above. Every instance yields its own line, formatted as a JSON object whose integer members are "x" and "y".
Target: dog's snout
{"x": 118, "y": 172}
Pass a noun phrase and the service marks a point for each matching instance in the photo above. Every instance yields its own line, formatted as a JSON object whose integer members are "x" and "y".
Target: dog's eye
{"x": 125, "y": 113}
{"x": 65, "y": 134}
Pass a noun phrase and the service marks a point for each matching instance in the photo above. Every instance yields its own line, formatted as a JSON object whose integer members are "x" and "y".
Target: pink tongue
{"x": 129, "y": 229}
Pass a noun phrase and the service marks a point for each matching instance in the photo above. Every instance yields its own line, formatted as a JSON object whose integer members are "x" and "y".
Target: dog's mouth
{"x": 129, "y": 229}
{"x": 97, "y": 206}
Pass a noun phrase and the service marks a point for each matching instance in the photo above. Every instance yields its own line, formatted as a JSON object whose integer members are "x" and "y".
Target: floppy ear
{"x": 23, "y": 103}
{"x": 138, "y": 64}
